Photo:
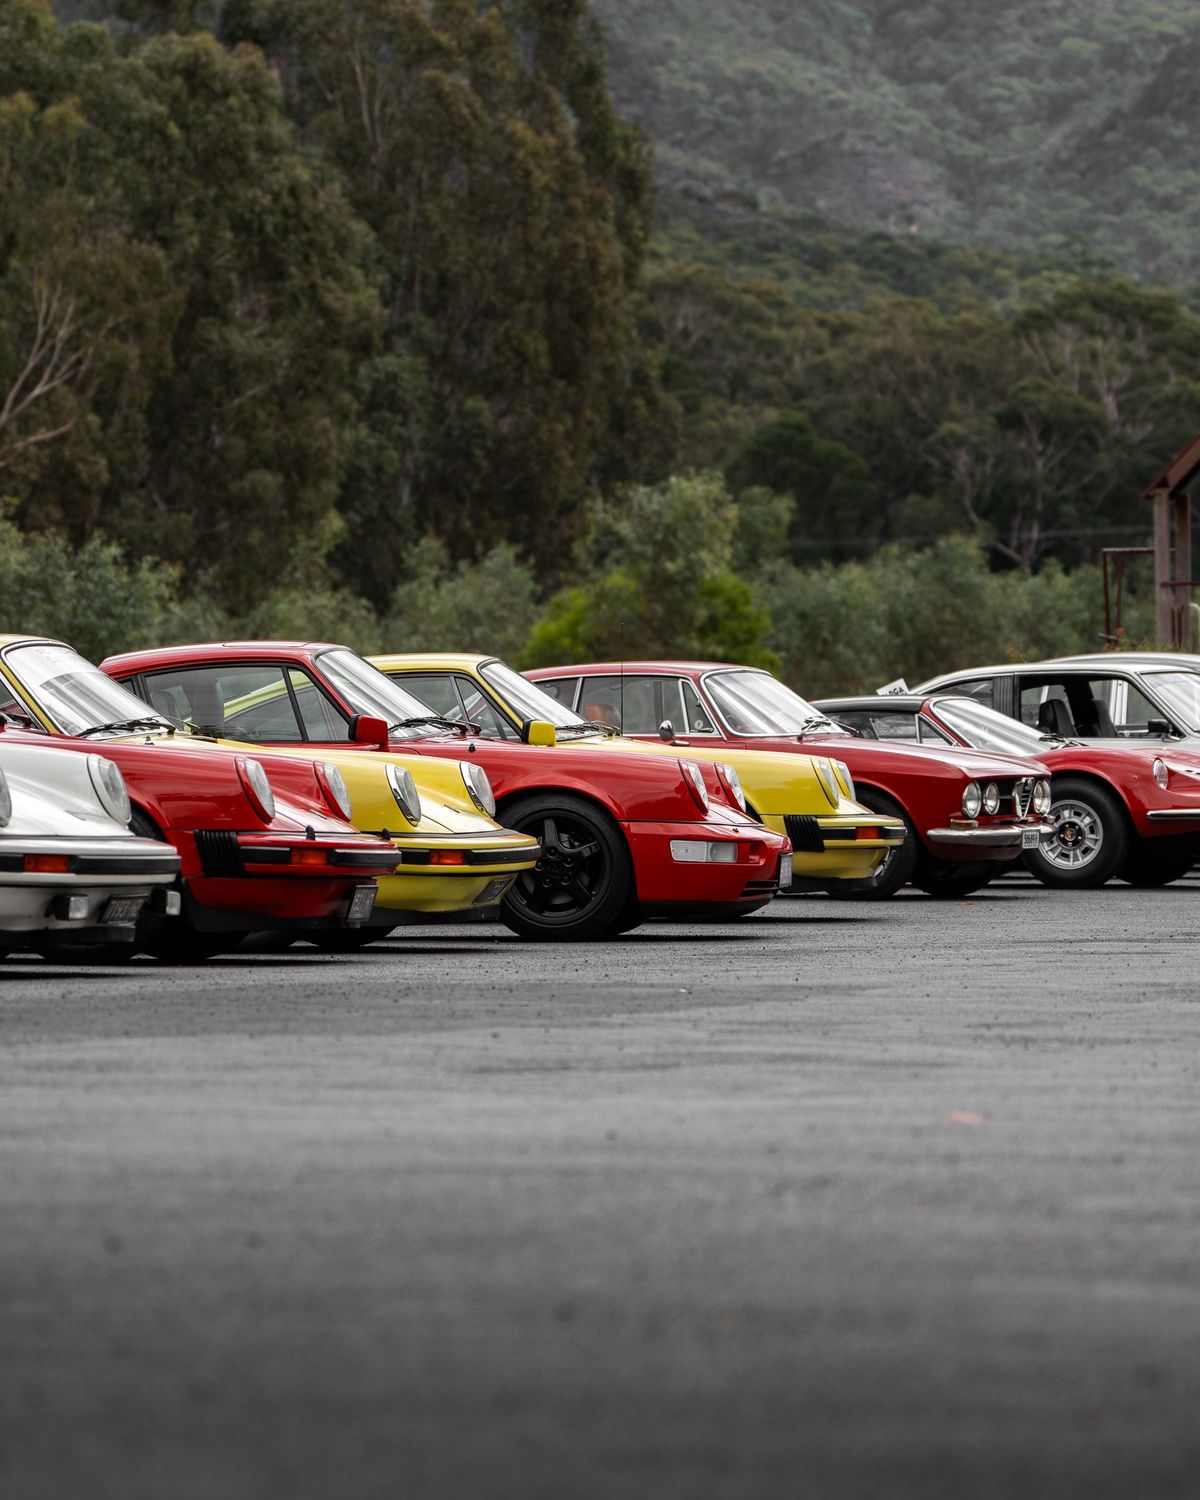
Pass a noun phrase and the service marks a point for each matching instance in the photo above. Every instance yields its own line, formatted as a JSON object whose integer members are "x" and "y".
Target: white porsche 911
{"x": 71, "y": 872}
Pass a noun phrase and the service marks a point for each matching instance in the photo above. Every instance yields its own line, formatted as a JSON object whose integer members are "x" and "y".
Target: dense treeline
{"x": 344, "y": 317}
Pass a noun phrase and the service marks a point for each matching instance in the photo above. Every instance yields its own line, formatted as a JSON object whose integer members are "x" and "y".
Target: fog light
{"x": 70, "y": 908}
{"x": 703, "y": 852}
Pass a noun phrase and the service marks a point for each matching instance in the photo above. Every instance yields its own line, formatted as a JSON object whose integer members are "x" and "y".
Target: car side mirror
{"x": 538, "y": 732}
{"x": 666, "y": 732}
{"x": 1159, "y": 726}
{"x": 365, "y": 729}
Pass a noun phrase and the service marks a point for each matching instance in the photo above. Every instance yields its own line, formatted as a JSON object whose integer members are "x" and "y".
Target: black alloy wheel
{"x": 1158, "y": 862}
{"x": 898, "y": 864}
{"x": 1091, "y": 838}
{"x": 952, "y": 879}
{"x": 583, "y": 885}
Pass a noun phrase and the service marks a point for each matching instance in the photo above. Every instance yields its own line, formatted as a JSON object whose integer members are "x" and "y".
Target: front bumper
{"x": 832, "y": 848}
{"x": 484, "y": 868}
{"x": 96, "y": 898}
{"x": 998, "y": 841}
{"x": 666, "y": 886}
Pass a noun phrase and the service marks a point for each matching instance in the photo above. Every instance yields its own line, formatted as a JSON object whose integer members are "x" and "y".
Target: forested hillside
{"x": 379, "y": 320}
{"x": 1031, "y": 127}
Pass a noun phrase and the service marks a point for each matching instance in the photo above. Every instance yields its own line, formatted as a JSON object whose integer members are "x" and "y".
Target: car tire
{"x": 1092, "y": 839}
{"x": 180, "y": 944}
{"x": 953, "y": 879}
{"x": 898, "y": 867}
{"x": 346, "y": 939}
{"x": 1158, "y": 862}
{"x": 583, "y": 885}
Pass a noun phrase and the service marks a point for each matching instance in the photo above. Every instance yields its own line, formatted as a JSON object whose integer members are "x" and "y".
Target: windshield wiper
{"x": 590, "y": 726}
{"x": 120, "y": 726}
{"x": 818, "y": 721}
{"x": 463, "y": 726}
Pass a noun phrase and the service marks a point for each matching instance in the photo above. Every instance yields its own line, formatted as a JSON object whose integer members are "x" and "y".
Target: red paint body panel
{"x": 647, "y": 797}
{"x": 926, "y": 781}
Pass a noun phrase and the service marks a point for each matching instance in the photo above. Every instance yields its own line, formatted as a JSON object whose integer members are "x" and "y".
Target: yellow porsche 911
{"x": 454, "y": 856}
{"x": 810, "y": 799}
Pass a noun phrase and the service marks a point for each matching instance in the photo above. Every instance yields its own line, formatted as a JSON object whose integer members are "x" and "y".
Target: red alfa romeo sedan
{"x": 621, "y": 840}
{"x": 969, "y": 813}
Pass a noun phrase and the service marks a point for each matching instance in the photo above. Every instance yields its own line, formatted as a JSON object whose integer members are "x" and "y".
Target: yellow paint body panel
{"x": 777, "y": 785}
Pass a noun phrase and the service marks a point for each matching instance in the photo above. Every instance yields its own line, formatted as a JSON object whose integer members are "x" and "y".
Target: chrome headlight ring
{"x": 1042, "y": 797}
{"x": 991, "y": 798}
{"x": 972, "y": 800}
{"x": 1162, "y": 774}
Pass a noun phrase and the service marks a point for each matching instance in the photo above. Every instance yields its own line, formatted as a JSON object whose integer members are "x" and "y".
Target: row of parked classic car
{"x": 182, "y": 801}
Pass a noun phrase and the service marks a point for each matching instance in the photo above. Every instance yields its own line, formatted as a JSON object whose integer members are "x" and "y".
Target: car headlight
{"x": 991, "y": 798}
{"x": 694, "y": 777}
{"x": 827, "y": 779}
{"x": 257, "y": 787}
{"x": 1161, "y": 774}
{"x": 5, "y": 799}
{"x": 845, "y": 777}
{"x": 479, "y": 787}
{"x": 404, "y": 790}
{"x": 1041, "y": 797}
{"x": 732, "y": 783}
{"x": 972, "y": 799}
{"x": 110, "y": 787}
{"x": 333, "y": 785}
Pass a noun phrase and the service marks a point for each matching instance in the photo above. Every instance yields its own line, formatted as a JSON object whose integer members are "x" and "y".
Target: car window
{"x": 248, "y": 702}
{"x": 1118, "y": 707}
{"x": 633, "y": 704}
{"x": 695, "y": 715}
{"x": 931, "y": 734}
{"x": 322, "y": 719}
{"x": 435, "y": 690}
{"x": 1033, "y": 695}
{"x": 480, "y": 710}
{"x": 982, "y": 689}
{"x": 561, "y": 689}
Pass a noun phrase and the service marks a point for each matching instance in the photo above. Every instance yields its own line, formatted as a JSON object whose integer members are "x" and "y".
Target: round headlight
{"x": 991, "y": 798}
{"x": 1041, "y": 797}
{"x": 826, "y": 777}
{"x": 5, "y": 799}
{"x": 110, "y": 787}
{"x": 404, "y": 790}
{"x": 972, "y": 801}
{"x": 694, "y": 777}
{"x": 258, "y": 788}
{"x": 333, "y": 784}
{"x": 1161, "y": 774}
{"x": 845, "y": 777}
{"x": 732, "y": 783}
{"x": 479, "y": 787}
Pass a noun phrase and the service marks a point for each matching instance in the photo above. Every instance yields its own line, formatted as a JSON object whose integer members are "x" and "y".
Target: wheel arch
{"x": 1097, "y": 779}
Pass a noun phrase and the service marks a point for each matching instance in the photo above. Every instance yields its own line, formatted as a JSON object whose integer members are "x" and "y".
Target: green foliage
{"x": 488, "y": 606}
{"x": 661, "y": 560}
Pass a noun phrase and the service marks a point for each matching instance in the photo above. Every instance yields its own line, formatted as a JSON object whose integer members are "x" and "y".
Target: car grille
{"x": 219, "y": 852}
{"x": 1023, "y": 796}
{"x": 805, "y": 833}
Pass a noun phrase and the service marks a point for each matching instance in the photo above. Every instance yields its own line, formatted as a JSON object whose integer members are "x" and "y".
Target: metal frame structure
{"x": 1173, "y": 581}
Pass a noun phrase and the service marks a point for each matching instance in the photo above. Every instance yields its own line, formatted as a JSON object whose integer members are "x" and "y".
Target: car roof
{"x": 214, "y": 648}
{"x": 635, "y": 668}
{"x": 1072, "y": 666}
{"x": 443, "y": 661}
{"x": 907, "y": 701}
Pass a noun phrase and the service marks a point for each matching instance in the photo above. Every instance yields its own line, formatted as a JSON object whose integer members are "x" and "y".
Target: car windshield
{"x": 984, "y": 729}
{"x": 752, "y": 703}
{"x": 526, "y": 699}
{"x": 75, "y": 695}
{"x": 1180, "y": 691}
{"x": 368, "y": 691}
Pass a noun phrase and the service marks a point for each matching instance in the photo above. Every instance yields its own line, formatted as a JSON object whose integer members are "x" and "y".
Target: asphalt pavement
{"x": 895, "y": 1201}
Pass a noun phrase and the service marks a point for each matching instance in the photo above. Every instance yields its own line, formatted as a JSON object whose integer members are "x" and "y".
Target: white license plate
{"x": 1030, "y": 838}
{"x": 122, "y": 911}
{"x": 362, "y": 903}
{"x": 785, "y": 871}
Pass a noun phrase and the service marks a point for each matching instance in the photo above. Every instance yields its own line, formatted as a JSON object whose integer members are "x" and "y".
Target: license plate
{"x": 122, "y": 911}
{"x": 362, "y": 903}
{"x": 1030, "y": 838}
{"x": 785, "y": 871}
{"x": 493, "y": 890}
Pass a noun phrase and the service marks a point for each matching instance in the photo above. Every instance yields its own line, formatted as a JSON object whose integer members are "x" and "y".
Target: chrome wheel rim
{"x": 1078, "y": 836}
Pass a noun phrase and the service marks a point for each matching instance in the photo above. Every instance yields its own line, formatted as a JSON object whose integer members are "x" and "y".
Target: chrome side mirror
{"x": 666, "y": 732}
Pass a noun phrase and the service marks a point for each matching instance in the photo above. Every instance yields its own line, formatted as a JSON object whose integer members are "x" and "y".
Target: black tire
{"x": 898, "y": 866}
{"x": 346, "y": 939}
{"x": 1092, "y": 841}
{"x": 180, "y": 944}
{"x": 583, "y": 886}
{"x": 953, "y": 879}
{"x": 1158, "y": 862}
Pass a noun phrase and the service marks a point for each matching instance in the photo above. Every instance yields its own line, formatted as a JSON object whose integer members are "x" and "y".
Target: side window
{"x": 322, "y": 719}
{"x": 1033, "y": 699}
{"x": 250, "y": 702}
{"x": 561, "y": 689}
{"x": 930, "y": 734}
{"x": 982, "y": 689}
{"x": 480, "y": 710}
{"x": 1117, "y": 708}
{"x": 862, "y": 722}
{"x": 633, "y": 704}
{"x": 695, "y": 715}
{"x": 435, "y": 690}
{"x": 900, "y": 727}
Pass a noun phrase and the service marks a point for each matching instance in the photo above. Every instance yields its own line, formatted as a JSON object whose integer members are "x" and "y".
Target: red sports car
{"x": 260, "y": 850}
{"x": 969, "y": 813}
{"x": 1126, "y": 810}
{"x": 621, "y": 841}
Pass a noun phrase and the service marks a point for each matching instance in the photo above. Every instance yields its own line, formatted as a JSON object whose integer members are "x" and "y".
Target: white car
{"x": 71, "y": 872}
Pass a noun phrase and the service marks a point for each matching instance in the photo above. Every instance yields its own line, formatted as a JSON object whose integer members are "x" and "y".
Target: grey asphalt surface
{"x": 843, "y": 1201}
